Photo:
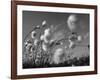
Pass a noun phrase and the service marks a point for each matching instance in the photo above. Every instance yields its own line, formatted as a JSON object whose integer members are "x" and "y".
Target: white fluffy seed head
{"x": 25, "y": 43}
{"x": 52, "y": 40}
{"x": 59, "y": 51}
{"x": 46, "y": 35}
{"x": 79, "y": 38}
{"x": 44, "y": 47}
{"x": 46, "y": 40}
{"x": 56, "y": 57}
{"x": 72, "y": 45}
{"x": 33, "y": 33}
{"x": 42, "y": 37}
{"x": 35, "y": 42}
{"x": 28, "y": 46}
{"x": 38, "y": 26}
{"x": 47, "y": 32}
{"x": 44, "y": 23}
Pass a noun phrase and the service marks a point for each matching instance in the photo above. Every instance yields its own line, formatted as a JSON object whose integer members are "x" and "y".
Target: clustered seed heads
{"x": 38, "y": 49}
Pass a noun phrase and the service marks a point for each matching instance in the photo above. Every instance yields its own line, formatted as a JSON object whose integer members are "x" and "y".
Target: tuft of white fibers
{"x": 72, "y": 44}
{"x": 79, "y": 38}
{"x": 46, "y": 38}
{"x": 44, "y": 23}
{"x": 26, "y": 43}
{"x": 28, "y": 46}
{"x": 42, "y": 37}
{"x": 33, "y": 33}
{"x": 47, "y": 32}
{"x": 44, "y": 46}
{"x": 38, "y": 26}
{"x": 46, "y": 35}
{"x": 51, "y": 41}
{"x": 57, "y": 54}
{"x": 36, "y": 42}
